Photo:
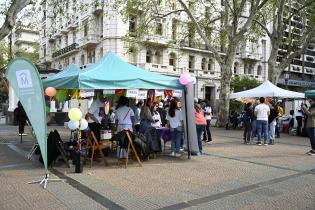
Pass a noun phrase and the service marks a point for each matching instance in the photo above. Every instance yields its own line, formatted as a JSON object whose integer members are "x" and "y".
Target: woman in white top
{"x": 174, "y": 120}
{"x": 156, "y": 116}
{"x": 208, "y": 114}
{"x": 124, "y": 115}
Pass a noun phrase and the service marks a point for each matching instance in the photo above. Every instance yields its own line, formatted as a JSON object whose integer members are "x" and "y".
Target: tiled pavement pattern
{"x": 230, "y": 175}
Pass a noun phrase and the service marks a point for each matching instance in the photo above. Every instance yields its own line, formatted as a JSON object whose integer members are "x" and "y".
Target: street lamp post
{"x": 286, "y": 76}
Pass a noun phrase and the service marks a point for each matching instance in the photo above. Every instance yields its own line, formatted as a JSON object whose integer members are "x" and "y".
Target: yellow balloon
{"x": 75, "y": 114}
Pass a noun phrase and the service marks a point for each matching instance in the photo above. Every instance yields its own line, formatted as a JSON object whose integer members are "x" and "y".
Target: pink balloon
{"x": 50, "y": 91}
{"x": 184, "y": 79}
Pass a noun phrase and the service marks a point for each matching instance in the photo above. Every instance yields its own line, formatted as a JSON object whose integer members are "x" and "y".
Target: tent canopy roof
{"x": 310, "y": 93}
{"x": 267, "y": 89}
{"x": 111, "y": 73}
{"x": 67, "y": 79}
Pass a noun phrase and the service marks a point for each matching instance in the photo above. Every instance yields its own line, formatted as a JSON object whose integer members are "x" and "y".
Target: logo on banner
{"x": 24, "y": 79}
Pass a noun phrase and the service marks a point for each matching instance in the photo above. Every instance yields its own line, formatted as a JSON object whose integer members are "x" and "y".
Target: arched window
{"x": 172, "y": 59}
{"x": 259, "y": 70}
{"x": 82, "y": 59}
{"x": 149, "y": 56}
{"x": 203, "y": 64}
{"x": 236, "y": 68}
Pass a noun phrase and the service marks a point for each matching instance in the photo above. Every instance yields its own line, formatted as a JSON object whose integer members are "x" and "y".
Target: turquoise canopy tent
{"x": 310, "y": 93}
{"x": 66, "y": 79}
{"x": 111, "y": 73}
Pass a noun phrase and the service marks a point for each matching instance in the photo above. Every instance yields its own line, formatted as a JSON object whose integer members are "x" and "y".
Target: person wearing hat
{"x": 310, "y": 123}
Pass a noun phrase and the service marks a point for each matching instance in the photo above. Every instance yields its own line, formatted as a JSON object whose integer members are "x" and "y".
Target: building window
{"x": 158, "y": 57}
{"x": 236, "y": 68}
{"x": 191, "y": 34}
{"x": 159, "y": 27}
{"x": 132, "y": 56}
{"x": 250, "y": 69}
{"x": 191, "y": 63}
{"x": 203, "y": 64}
{"x": 101, "y": 52}
{"x": 66, "y": 62}
{"x": 174, "y": 29}
{"x": 66, "y": 40}
{"x": 85, "y": 28}
{"x": 82, "y": 60}
{"x": 44, "y": 46}
{"x": 101, "y": 25}
{"x": 245, "y": 68}
{"x": 174, "y": 4}
{"x": 210, "y": 65}
{"x": 74, "y": 37}
{"x": 149, "y": 56}
{"x": 91, "y": 56}
{"x": 73, "y": 60}
{"x": 172, "y": 59}
{"x": 259, "y": 70}
{"x": 132, "y": 24}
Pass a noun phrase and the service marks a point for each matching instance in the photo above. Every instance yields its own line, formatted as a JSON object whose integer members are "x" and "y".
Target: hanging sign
{"x": 109, "y": 92}
{"x": 133, "y": 93}
{"x": 86, "y": 93}
{"x": 159, "y": 93}
{"x": 142, "y": 94}
{"x": 177, "y": 93}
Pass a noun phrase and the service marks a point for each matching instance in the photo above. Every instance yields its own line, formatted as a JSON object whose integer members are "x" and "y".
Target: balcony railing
{"x": 65, "y": 50}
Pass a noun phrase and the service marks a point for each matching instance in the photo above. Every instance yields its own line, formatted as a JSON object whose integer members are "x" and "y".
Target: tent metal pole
{"x": 187, "y": 132}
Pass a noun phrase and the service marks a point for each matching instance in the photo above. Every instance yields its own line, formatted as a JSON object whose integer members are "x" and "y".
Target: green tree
{"x": 243, "y": 83}
{"x": 4, "y": 54}
{"x": 279, "y": 15}
{"x": 230, "y": 21}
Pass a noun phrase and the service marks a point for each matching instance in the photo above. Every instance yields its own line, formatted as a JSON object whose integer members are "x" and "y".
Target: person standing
{"x": 299, "y": 119}
{"x": 124, "y": 115}
{"x": 247, "y": 119}
{"x": 137, "y": 112}
{"x": 146, "y": 116}
{"x": 208, "y": 115}
{"x": 21, "y": 118}
{"x": 262, "y": 111}
{"x": 94, "y": 116}
{"x": 156, "y": 116}
{"x": 310, "y": 123}
{"x": 174, "y": 120}
{"x": 162, "y": 111}
{"x": 272, "y": 121}
{"x": 200, "y": 126}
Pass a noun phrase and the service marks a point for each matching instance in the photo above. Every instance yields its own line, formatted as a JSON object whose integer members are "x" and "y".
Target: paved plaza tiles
{"x": 230, "y": 175}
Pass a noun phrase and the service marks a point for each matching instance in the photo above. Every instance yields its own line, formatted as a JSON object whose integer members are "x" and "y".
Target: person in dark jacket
{"x": 21, "y": 118}
{"x": 247, "y": 120}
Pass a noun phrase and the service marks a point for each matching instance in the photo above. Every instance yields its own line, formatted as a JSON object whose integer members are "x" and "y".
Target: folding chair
{"x": 93, "y": 145}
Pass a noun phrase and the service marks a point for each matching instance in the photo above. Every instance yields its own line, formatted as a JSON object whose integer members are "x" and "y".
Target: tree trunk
{"x": 224, "y": 102}
{"x": 226, "y": 76}
{"x": 273, "y": 71}
{"x": 11, "y": 15}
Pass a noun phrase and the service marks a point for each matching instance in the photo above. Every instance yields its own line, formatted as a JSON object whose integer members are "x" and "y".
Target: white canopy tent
{"x": 267, "y": 89}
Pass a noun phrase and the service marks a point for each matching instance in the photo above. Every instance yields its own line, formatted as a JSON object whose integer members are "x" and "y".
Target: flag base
{"x": 45, "y": 181}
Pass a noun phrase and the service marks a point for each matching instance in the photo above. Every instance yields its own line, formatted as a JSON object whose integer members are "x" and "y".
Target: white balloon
{"x": 73, "y": 124}
{"x": 84, "y": 124}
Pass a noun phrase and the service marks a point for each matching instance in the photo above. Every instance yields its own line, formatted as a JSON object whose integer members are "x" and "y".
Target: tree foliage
{"x": 243, "y": 83}
{"x": 228, "y": 21}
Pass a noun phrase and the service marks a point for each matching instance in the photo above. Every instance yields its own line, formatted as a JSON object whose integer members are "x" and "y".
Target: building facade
{"x": 83, "y": 34}
{"x": 301, "y": 71}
